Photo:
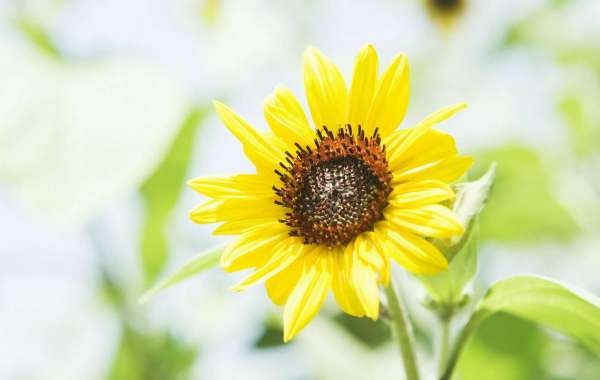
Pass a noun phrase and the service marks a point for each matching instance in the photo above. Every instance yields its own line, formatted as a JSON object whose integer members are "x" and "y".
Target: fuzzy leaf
{"x": 446, "y": 289}
{"x": 160, "y": 194}
{"x": 549, "y": 303}
{"x": 195, "y": 265}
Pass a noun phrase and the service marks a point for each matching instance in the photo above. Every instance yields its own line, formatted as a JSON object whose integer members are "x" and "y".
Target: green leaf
{"x": 548, "y": 303}
{"x": 494, "y": 354}
{"x": 446, "y": 289}
{"x": 539, "y": 300}
{"x": 195, "y": 265}
{"x": 38, "y": 36}
{"x": 523, "y": 209}
{"x": 581, "y": 114}
{"x": 156, "y": 356}
{"x": 372, "y": 334}
{"x": 160, "y": 193}
{"x": 471, "y": 198}
{"x": 272, "y": 333}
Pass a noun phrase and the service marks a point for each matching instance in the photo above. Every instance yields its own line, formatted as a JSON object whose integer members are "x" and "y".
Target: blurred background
{"x": 105, "y": 112}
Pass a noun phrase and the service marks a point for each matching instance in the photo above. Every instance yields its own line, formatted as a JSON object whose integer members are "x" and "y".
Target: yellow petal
{"x": 305, "y": 300}
{"x": 369, "y": 256}
{"x": 253, "y": 247}
{"x": 412, "y": 252}
{"x": 368, "y": 252}
{"x": 206, "y": 212}
{"x": 281, "y": 285}
{"x": 262, "y": 154}
{"x": 365, "y": 281}
{"x": 237, "y": 227}
{"x": 362, "y": 88}
{"x": 446, "y": 170}
{"x": 391, "y": 97}
{"x": 417, "y": 193}
{"x": 238, "y": 186}
{"x": 397, "y": 149}
{"x": 325, "y": 90}
{"x": 236, "y": 209}
{"x": 432, "y": 146}
{"x": 343, "y": 286}
{"x": 286, "y": 118}
{"x": 429, "y": 221}
{"x": 284, "y": 254}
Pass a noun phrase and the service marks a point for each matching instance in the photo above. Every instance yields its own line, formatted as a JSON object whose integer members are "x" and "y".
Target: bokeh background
{"x": 105, "y": 112}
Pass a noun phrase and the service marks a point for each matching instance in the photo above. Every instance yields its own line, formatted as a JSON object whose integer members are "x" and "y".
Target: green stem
{"x": 461, "y": 342}
{"x": 402, "y": 331}
{"x": 444, "y": 344}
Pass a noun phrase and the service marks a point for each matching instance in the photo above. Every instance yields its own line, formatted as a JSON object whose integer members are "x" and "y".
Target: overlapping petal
{"x": 362, "y": 88}
{"x": 390, "y": 100}
{"x": 432, "y": 220}
{"x": 240, "y": 186}
{"x": 217, "y": 210}
{"x": 286, "y": 118}
{"x": 411, "y": 251}
{"x": 305, "y": 300}
{"x": 325, "y": 90}
{"x": 418, "y": 193}
{"x": 258, "y": 150}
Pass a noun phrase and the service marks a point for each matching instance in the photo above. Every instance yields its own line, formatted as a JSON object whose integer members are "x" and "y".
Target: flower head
{"x": 329, "y": 207}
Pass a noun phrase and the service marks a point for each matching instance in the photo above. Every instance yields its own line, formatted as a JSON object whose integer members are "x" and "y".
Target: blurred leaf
{"x": 151, "y": 357}
{"x": 372, "y": 334}
{"x": 522, "y": 210}
{"x": 504, "y": 347}
{"x": 446, "y": 289}
{"x": 272, "y": 334}
{"x": 195, "y": 265}
{"x": 161, "y": 192}
{"x": 471, "y": 198}
{"x": 210, "y": 11}
{"x": 539, "y": 300}
{"x": 38, "y": 36}
{"x": 548, "y": 303}
{"x": 580, "y": 111}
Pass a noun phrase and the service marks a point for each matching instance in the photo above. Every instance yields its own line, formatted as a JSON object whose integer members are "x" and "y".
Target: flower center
{"x": 336, "y": 190}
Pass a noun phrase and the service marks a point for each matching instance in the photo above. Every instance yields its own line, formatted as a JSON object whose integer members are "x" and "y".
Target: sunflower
{"x": 329, "y": 207}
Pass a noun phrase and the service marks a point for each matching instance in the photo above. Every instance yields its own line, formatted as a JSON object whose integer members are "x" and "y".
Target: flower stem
{"x": 444, "y": 344}
{"x": 461, "y": 341}
{"x": 402, "y": 331}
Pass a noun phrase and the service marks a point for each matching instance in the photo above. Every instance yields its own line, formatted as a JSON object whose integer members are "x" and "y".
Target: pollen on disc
{"x": 336, "y": 190}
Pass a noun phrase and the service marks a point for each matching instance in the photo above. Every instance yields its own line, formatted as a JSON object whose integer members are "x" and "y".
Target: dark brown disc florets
{"x": 336, "y": 190}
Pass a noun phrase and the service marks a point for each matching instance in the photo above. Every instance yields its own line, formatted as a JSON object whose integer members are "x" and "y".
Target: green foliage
{"x": 446, "y": 289}
{"x": 151, "y": 357}
{"x": 548, "y": 303}
{"x": 38, "y": 36}
{"x": 504, "y": 347}
{"x": 372, "y": 334}
{"x": 160, "y": 194}
{"x": 272, "y": 334}
{"x": 195, "y": 265}
{"x": 209, "y": 11}
{"x": 523, "y": 209}
{"x": 537, "y": 300}
{"x": 581, "y": 115}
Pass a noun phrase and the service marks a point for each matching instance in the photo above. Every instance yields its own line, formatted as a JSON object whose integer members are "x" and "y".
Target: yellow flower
{"x": 328, "y": 207}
